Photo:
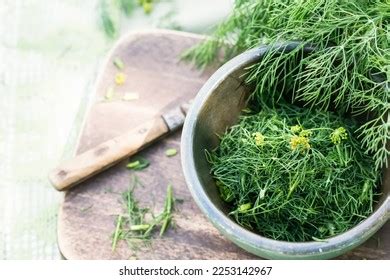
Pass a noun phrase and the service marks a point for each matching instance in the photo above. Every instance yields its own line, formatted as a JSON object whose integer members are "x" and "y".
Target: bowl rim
{"x": 244, "y": 238}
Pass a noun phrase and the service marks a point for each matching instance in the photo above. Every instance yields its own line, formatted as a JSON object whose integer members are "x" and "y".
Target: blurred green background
{"x": 50, "y": 53}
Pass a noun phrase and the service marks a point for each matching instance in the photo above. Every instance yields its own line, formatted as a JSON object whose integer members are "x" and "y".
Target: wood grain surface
{"x": 87, "y": 215}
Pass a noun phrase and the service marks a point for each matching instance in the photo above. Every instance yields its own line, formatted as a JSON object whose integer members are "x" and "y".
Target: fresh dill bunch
{"x": 293, "y": 174}
{"x": 349, "y": 71}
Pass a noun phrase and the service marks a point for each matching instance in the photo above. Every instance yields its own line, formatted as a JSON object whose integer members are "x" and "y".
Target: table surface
{"x": 88, "y": 213}
{"x": 47, "y": 72}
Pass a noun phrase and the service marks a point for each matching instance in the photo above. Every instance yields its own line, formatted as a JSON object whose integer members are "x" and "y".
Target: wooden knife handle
{"x": 91, "y": 162}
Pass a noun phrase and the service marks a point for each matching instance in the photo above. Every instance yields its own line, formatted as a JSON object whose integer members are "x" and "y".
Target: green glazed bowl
{"x": 217, "y": 107}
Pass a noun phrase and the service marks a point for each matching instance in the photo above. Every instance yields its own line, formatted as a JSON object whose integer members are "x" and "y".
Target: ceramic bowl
{"x": 217, "y": 107}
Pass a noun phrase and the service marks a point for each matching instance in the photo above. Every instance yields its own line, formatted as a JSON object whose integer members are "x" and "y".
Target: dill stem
{"x": 167, "y": 210}
{"x": 117, "y": 232}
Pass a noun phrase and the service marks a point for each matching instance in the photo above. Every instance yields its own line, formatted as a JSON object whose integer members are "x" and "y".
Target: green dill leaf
{"x": 138, "y": 163}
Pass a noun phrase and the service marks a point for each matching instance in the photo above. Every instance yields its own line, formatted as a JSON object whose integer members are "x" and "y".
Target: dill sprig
{"x": 294, "y": 175}
{"x": 348, "y": 71}
{"x": 134, "y": 226}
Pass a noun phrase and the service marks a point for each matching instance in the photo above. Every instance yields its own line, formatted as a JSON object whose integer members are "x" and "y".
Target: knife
{"x": 85, "y": 165}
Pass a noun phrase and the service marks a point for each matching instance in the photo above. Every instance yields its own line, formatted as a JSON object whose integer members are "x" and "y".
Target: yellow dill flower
{"x": 338, "y": 134}
{"x": 259, "y": 139}
{"x": 296, "y": 128}
{"x": 300, "y": 142}
{"x": 305, "y": 133}
{"x": 120, "y": 78}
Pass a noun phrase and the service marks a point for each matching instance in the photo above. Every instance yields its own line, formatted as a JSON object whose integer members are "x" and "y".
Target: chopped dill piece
{"x": 139, "y": 227}
{"x": 244, "y": 207}
{"x": 135, "y": 226}
{"x": 171, "y": 152}
{"x": 139, "y": 163}
{"x": 118, "y": 62}
{"x": 109, "y": 96}
{"x": 133, "y": 164}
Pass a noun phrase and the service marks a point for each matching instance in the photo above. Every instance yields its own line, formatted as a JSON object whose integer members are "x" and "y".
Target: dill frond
{"x": 349, "y": 71}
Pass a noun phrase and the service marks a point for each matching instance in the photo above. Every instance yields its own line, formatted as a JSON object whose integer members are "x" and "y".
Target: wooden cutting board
{"x": 87, "y": 215}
